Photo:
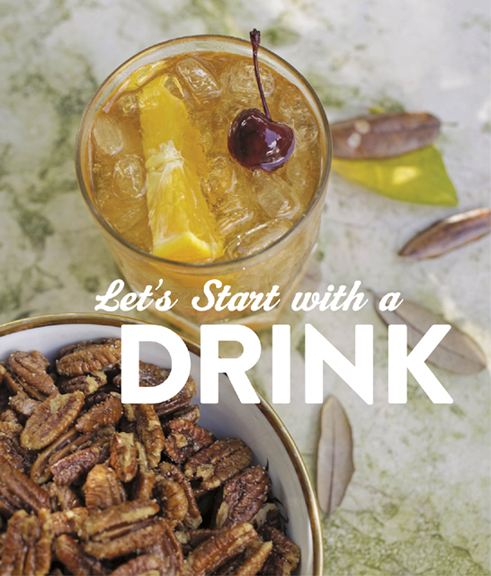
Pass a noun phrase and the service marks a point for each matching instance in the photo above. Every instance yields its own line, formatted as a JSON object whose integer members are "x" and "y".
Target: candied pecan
{"x": 145, "y": 478}
{"x": 193, "y": 517}
{"x": 23, "y": 404}
{"x": 50, "y": 419}
{"x": 102, "y": 488}
{"x": 66, "y": 444}
{"x": 62, "y": 498}
{"x": 16, "y": 385}
{"x": 68, "y": 521}
{"x": 71, "y": 555}
{"x": 219, "y": 462}
{"x": 9, "y": 416}
{"x": 27, "y": 547}
{"x": 122, "y": 529}
{"x": 124, "y": 456}
{"x": 268, "y": 515}
{"x": 149, "y": 432}
{"x": 86, "y": 383}
{"x": 31, "y": 368}
{"x": 185, "y": 439}
{"x": 243, "y": 496}
{"x": 172, "y": 499}
{"x": 285, "y": 555}
{"x": 144, "y": 565}
{"x": 71, "y": 467}
{"x": 107, "y": 413}
{"x": 218, "y": 549}
{"x": 168, "y": 550}
{"x": 17, "y": 491}
{"x": 250, "y": 562}
{"x": 88, "y": 357}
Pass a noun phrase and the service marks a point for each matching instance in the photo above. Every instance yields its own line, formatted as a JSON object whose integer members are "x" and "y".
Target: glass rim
{"x": 206, "y": 266}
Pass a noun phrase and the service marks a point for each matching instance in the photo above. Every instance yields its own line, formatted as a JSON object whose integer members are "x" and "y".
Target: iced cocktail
{"x": 176, "y": 208}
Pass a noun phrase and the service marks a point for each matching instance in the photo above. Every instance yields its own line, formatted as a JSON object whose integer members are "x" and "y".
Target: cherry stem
{"x": 255, "y": 40}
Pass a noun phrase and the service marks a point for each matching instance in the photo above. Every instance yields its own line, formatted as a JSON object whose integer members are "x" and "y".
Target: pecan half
{"x": 193, "y": 517}
{"x": 88, "y": 357}
{"x": 124, "y": 456}
{"x": 219, "y": 462}
{"x": 172, "y": 499}
{"x": 122, "y": 529}
{"x": 243, "y": 497}
{"x": 102, "y": 488}
{"x": 218, "y": 549}
{"x": 86, "y": 383}
{"x": 68, "y": 469}
{"x": 250, "y": 562}
{"x": 66, "y": 444}
{"x": 285, "y": 555}
{"x": 149, "y": 432}
{"x": 17, "y": 491}
{"x": 27, "y": 547}
{"x": 168, "y": 550}
{"x": 185, "y": 439}
{"x": 71, "y": 555}
{"x": 50, "y": 419}
{"x": 31, "y": 369}
{"x": 145, "y": 478}
{"x": 12, "y": 451}
{"x": 107, "y": 413}
{"x": 144, "y": 565}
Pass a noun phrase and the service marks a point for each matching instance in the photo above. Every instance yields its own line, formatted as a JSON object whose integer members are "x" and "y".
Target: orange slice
{"x": 182, "y": 225}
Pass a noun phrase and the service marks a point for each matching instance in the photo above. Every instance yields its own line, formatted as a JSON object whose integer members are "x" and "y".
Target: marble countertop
{"x": 419, "y": 501}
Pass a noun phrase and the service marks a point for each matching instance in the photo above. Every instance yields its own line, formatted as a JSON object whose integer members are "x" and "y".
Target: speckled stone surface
{"x": 419, "y": 501}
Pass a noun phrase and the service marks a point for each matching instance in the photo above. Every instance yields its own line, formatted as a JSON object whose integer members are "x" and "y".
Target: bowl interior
{"x": 256, "y": 425}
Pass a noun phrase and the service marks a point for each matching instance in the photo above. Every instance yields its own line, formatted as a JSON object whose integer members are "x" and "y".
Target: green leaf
{"x": 419, "y": 177}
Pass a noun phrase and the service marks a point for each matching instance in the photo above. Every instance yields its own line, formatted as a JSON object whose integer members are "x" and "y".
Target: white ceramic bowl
{"x": 257, "y": 425}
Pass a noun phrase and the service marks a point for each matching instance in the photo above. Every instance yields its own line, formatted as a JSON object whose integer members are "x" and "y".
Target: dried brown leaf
{"x": 449, "y": 234}
{"x": 334, "y": 456}
{"x": 383, "y": 135}
{"x": 457, "y": 352}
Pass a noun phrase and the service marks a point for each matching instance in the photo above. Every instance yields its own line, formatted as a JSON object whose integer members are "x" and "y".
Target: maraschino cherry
{"x": 254, "y": 139}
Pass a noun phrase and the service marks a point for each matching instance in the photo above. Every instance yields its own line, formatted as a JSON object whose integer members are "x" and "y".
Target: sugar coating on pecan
{"x": 89, "y": 357}
{"x": 23, "y": 404}
{"x": 68, "y": 521}
{"x": 62, "y": 497}
{"x": 146, "y": 564}
{"x": 31, "y": 369}
{"x": 219, "y": 462}
{"x": 50, "y": 419}
{"x": 106, "y": 413}
{"x": 243, "y": 496}
{"x": 145, "y": 478}
{"x": 168, "y": 550}
{"x": 172, "y": 500}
